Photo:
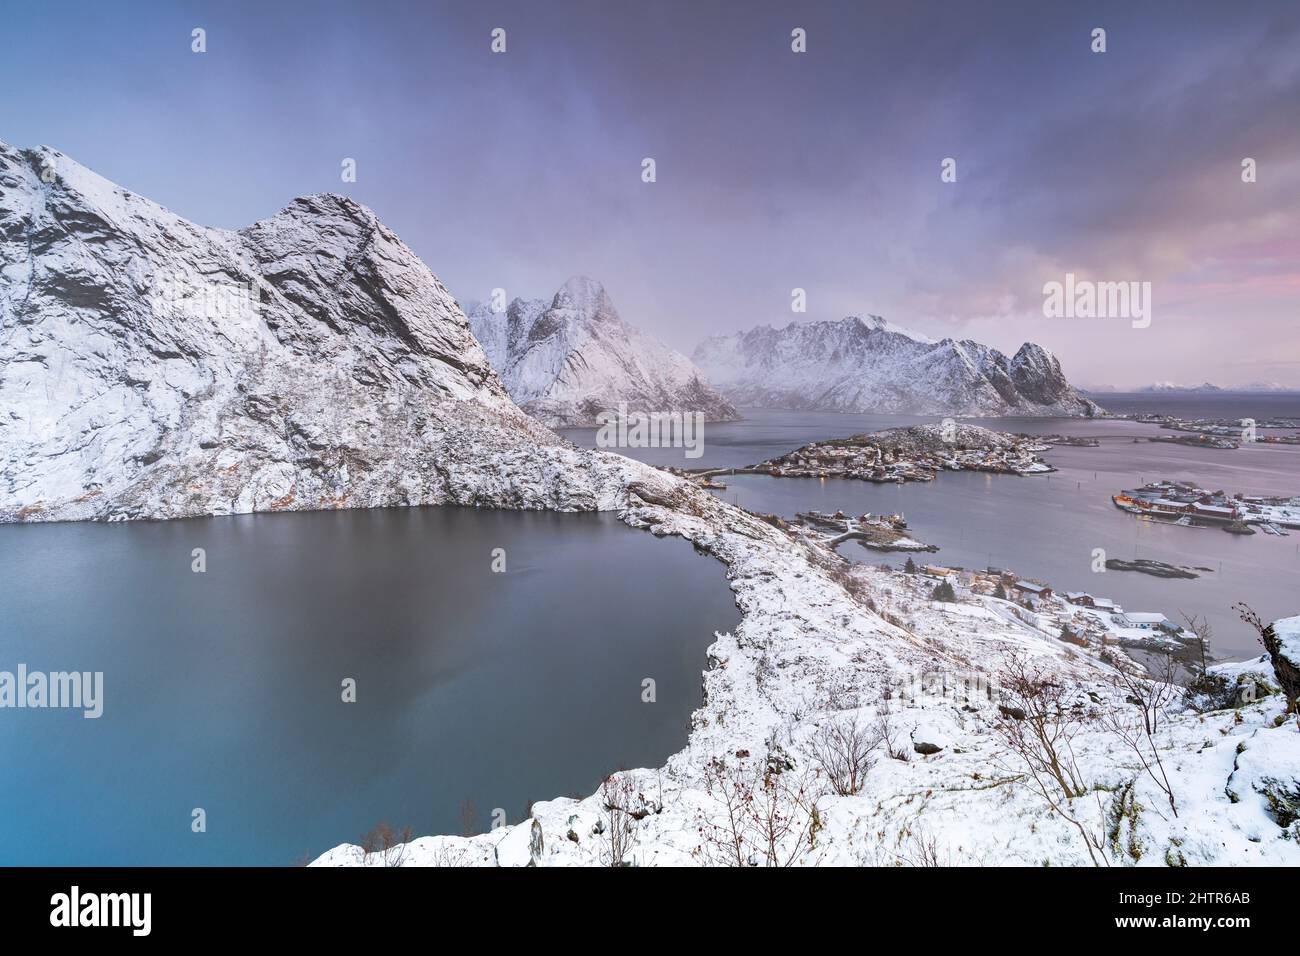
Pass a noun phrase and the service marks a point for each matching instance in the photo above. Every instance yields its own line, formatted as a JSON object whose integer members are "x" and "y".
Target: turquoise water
{"x": 222, "y": 690}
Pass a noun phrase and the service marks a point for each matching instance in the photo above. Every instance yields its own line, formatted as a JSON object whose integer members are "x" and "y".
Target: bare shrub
{"x": 449, "y": 856}
{"x": 922, "y": 848}
{"x": 1039, "y": 717}
{"x": 845, "y": 752}
{"x": 1194, "y": 652}
{"x": 619, "y": 826}
{"x": 764, "y": 818}
{"x": 887, "y": 733}
{"x": 388, "y": 843}
{"x": 786, "y": 819}
{"x": 468, "y": 827}
{"x": 1135, "y": 721}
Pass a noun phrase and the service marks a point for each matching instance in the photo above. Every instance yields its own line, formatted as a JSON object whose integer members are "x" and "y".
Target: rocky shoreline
{"x": 914, "y": 453}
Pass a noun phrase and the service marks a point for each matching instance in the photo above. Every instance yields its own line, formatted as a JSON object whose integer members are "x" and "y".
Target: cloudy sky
{"x": 775, "y": 170}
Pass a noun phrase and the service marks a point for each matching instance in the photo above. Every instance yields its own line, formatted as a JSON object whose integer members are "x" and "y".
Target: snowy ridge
{"x": 152, "y": 368}
{"x": 812, "y": 650}
{"x": 868, "y": 365}
{"x": 567, "y": 362}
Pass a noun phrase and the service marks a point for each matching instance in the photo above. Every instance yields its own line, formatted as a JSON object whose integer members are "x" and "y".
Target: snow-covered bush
{"x": 844, "y": 750}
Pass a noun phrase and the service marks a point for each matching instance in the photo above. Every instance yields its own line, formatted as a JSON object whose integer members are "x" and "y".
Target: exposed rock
{"x": 521, "y": 845}
{"x": 1282, "y": 641}
{"x": 567, "y": 362}
{"x": 1158, "y": 569}
{"x": 152, "y": 368}
{"x": 868, "y": 365}
{"x": 928, "y": 738}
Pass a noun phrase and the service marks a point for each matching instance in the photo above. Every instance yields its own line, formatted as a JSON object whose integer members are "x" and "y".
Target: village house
{"x": 1030, "y": 589}
{"x": 943, "y": 574}
{"x": 1146, "y": 621}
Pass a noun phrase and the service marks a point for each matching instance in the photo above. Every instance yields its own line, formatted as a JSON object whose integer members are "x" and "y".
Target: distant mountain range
{"x": 868, "y": 365}
{"x": 1205, "y": 388}
{"x": 567, "y": 360}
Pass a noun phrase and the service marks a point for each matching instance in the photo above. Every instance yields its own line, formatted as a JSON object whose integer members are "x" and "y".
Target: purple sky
{"x": 775, "y": 170}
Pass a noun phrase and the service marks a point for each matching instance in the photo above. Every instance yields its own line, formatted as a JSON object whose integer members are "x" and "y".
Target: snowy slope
{"x": 150, "y": 367}
{"x": 823, "y": 644}
{"x": 566, "y": 362}
{"x": 869, "y": 365}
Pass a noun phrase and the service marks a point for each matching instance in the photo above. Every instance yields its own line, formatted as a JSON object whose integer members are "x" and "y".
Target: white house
{"x": 1145, "y": 620}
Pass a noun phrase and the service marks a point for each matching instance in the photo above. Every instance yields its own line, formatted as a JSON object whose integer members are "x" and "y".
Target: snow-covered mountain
{"x": 1203, "y": 388}
{"x": 150, "y": 367}
{"x": 568, "y": 360}
{"x": 869, "y": 365}
{"x": 1265, "y": 387}
{"x": 1207, "y": 388}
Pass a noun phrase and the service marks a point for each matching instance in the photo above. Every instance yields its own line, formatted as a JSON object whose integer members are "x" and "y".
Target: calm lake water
{"x": 1047, "y": 526}
{"x": 222, "y": 689}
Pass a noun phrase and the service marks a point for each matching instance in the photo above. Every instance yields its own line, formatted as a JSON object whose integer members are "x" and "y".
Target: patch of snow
{"x": 1287, "y": 630}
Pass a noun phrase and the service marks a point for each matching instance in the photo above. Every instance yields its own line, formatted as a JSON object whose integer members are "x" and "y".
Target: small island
{"x": 913, "y": 453}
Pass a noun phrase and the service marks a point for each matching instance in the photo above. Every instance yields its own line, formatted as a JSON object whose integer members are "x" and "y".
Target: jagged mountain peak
{"x": 585, "y": 297}
{"x": 567, "y": 362}
{"x": 150, "y": 367}
{"x": 870, "y": 365}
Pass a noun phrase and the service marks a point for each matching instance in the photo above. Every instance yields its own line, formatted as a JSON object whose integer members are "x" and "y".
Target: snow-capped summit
{"x": 870, "y": 365}
{"x": 1203, "y": 388}
{"x": 567, "y": 362}
{"x": 581, "y": 297}
{"x": 1209, "y": 388}
{"x": 151, "y": 367}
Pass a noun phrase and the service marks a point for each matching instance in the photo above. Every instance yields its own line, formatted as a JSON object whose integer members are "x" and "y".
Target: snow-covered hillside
{"x": 852, "y": 719}
{"x": 150, "y": 367}
{"x": 868, "y": 365}
{"x": 567, "y": 361}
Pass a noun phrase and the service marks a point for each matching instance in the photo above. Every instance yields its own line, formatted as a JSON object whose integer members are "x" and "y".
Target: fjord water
{"x": 222, "y": 690}
{"x": 1046, "y": 527}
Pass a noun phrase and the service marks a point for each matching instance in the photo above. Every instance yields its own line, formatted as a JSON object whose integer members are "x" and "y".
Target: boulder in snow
{"x": 928, "y": 738}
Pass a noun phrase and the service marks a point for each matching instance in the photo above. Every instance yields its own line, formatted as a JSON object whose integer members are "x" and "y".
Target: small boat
{"x": 716, "y": 485}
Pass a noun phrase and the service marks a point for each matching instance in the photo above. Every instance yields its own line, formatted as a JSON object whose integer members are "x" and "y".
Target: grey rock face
{"x": 150, "y": 367}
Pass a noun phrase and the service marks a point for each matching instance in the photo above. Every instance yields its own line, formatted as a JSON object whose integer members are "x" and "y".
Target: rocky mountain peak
{"x": 568, "y": 362}
{"x": 867, "y": 364}
{"x": 585, "y": 298}
{"x": 151, "y": 367}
